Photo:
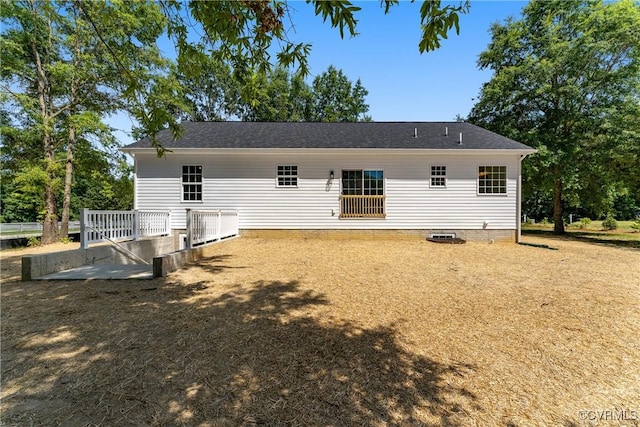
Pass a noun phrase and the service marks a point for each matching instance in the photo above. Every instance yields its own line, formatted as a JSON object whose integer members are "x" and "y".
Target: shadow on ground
{"x": 169, "y": 353}
{"x": 587, "y": 237}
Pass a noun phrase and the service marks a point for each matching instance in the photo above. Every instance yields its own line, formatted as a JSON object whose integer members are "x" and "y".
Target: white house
{"x": 432, "y": 177}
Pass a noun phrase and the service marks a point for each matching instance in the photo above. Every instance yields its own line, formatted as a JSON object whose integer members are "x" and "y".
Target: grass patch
{"x": 593, "y": 232}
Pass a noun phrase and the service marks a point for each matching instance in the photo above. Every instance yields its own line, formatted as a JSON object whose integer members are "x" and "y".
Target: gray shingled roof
{"x": 389, "y": 135}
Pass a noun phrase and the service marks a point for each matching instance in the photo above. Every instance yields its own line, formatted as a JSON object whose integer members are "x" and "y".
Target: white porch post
{"x": 218, "y": 225}
{"x": 84, "y": 236}
{"x": 136, "y": 224}
{"x": 189, "y": 231}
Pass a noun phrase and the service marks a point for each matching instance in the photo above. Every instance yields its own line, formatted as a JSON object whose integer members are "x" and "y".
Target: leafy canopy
{"x": 567, "y": 81}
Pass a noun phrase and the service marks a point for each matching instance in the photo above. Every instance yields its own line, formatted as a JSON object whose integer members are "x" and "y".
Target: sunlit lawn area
{"x": 624, "y": 235}
{"x": 313, "y": 332}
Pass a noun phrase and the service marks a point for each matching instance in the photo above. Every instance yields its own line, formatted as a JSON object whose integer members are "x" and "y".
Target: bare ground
{"x": 333, "y": 332}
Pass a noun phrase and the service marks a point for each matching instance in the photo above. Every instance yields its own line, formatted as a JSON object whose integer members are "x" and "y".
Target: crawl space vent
{"x": 445, "y": 238}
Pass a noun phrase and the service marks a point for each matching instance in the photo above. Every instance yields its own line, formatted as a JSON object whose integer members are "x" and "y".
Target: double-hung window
{"x": 438, "y": 176}
{"x": 362, "y": 194}
{"x": 492, "y": 180}
{"x": 192, "y": 183}
{"x": 287, "y": 176}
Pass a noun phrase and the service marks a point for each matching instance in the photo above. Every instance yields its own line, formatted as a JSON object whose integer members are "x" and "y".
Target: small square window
{"x": 438, "y": 176}
{"x": 287, "y": 176}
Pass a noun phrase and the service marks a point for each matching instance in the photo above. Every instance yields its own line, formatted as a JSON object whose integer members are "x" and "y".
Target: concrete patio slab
{"x": 102, "y": 271}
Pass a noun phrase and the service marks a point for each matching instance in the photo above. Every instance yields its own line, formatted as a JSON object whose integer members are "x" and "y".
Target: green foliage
{"x": 609, "y": 223}
{"x": 584, "y": 223}
{"x": 281, "y": 97}
{"x": 635, "y": 225}
{"x": 244, "y": 35}
{"x": 62, "y": 77}
{"x": 625, "y": 206}
{"x": 547, "y": 91}
{"x": 277, "y": 96}
{"x": 336, "y": 99}
{"x": 33, "y": 241}
{"x": 436, "y": 22}
{"x": 66, "y": 240}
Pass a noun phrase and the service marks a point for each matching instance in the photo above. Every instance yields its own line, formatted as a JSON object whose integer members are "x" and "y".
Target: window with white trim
{"x": 287, "y": 176}
{"x": 438, "y": 176}
{"x": 492, "y": 180}
{"x": 192, "y": 183}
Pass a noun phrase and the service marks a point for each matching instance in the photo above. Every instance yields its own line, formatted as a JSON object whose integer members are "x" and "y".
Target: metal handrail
{"x": 117, "y": 244}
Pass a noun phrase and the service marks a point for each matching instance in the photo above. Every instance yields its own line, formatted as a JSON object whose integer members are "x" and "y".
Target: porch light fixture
{"x": 330, "y": 174}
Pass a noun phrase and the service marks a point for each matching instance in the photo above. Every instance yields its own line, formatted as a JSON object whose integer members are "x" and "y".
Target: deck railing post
{"x": 189, "y": 228}
{"x": 218, "y": 225}
{"x": 84, "y": 238}
{"x": 136, "y": 224}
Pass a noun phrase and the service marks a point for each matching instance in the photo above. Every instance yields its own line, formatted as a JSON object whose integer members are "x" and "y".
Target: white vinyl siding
{"x": 245, "y": 181}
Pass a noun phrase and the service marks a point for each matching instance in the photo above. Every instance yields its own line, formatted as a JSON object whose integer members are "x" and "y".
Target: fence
{"x": 16, "y": 229}
{"x": 208, "y": 226}
{"x": 100, "y": 226}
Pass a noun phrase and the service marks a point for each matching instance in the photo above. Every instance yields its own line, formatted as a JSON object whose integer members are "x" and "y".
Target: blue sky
{"x": 403, "y": 85}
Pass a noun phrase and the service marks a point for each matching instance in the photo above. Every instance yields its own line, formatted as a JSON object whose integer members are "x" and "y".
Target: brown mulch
{"x": 321, "y": 332}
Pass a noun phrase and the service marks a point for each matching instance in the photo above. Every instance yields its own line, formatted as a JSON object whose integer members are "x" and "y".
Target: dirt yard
{"x": 310, "y": 332}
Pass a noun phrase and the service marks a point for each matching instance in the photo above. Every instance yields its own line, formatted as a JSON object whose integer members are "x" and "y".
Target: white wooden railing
{"x": 359, "y": 206}
{"x": 118, "y": 226}
{"x": 209, "y": 226}
{"x": 154, "y": 223}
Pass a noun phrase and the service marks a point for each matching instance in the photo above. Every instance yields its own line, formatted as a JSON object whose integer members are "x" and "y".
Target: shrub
{"x": 609, "y": 223}
{"x": 635, "y": 225}
{"x": 33, "y": 241}
{"x": 545, "y": 221}
{"x": 66, "y": 240}
{"x": 584, "y": 223}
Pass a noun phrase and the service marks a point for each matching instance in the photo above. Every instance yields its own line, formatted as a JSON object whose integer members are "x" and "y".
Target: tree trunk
{"x": 50, "y": 224}
{"x": 558, "y": 224}
{"x": 68, "y": 179}
{"x": 71, "y": 136}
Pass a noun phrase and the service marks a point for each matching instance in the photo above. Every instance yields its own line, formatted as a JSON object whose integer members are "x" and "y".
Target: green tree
{"x": 62, "y": 74}
{"x": 211, "y": 93}
{"x": 336, "y": 99}
{"x": 245, "y": 35}
{"x": 567, "y": 81}
{"x": 102, "y": 180}
{"x": 282, "y": 97}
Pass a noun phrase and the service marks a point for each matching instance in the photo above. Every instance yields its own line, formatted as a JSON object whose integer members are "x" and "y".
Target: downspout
{"x": 519, "y": 201}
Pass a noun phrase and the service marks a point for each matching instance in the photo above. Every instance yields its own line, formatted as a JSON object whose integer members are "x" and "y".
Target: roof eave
{"x": 463, "y": 151}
